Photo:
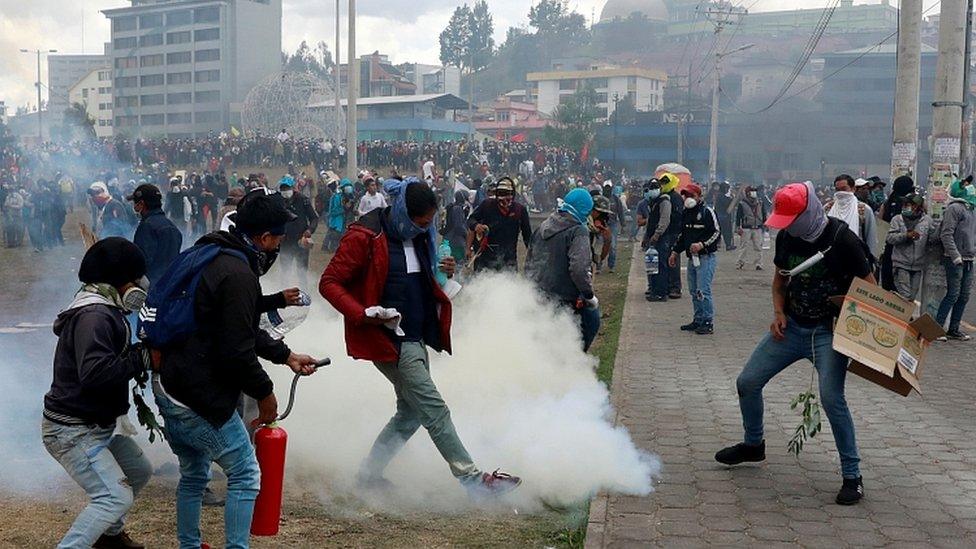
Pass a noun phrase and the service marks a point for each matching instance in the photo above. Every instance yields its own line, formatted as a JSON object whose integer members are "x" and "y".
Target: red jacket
{"x": 354, "y": 281}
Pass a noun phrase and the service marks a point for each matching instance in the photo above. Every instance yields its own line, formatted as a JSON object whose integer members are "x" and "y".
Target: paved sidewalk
{"x": 676, "y": 394}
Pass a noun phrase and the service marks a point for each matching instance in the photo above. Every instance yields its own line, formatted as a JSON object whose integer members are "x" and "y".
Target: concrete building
{"x": 63, "y": 71}
{"x": 433, "y": 78}
{"x": 408, "y": 117}
{"x": 509, "y": 119}
{"x": 94, "y": 91}
{"x": 645, "y": 87}
{"x": 379, "y": 77}
{"x": 181, "y": 68}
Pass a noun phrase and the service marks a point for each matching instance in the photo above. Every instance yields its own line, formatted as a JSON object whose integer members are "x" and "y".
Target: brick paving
{"x": 675, "y": 392}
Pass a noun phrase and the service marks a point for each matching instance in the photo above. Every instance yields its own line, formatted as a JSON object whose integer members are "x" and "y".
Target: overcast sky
{"x": 406, "y": 30}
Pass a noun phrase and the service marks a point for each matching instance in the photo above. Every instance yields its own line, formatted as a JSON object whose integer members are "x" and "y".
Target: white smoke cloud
{"x": 523, "y": 396}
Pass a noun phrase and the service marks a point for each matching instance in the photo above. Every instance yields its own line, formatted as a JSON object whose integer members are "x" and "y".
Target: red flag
{"x": 518, "y": 138}
{"x": 585, "y": 153}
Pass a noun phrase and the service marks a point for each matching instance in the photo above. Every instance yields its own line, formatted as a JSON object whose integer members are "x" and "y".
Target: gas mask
{"x": 690, "y": 203}
{"x": 287, "y": 194}
{"x": 753, "y": 194}
{"x": 134, "y": 298}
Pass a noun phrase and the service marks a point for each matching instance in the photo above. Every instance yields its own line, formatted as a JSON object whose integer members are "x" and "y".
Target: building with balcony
{"x": 408, "y": 117}
{"x": 507, "y": 119}
{"x": 94, "y": 92}
{"x": 644, "y": 87}
{"x": 181, "y": 68}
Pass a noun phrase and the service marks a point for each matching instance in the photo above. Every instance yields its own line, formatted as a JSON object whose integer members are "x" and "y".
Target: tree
{"x": 574, "y": 120}
{"x": 467, "y": 40}
{"x": 553, "y": 20}
{"x": 306, "y": 60}
{"x": 78, "y": 124}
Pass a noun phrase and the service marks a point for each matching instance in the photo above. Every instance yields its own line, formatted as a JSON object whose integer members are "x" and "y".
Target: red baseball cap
{"x": 788, "y": 203}
{"x": 690, "y": 189}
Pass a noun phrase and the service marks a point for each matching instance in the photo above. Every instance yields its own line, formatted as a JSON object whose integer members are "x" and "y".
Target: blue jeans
{"x": 700, "y": 288}
{"x": 772, "y": 357}
{"x": 589, "y": 325}
{"x": 197, "y": 444}
{"x": 110, "y": 469}
{"x": 959, "y": 283}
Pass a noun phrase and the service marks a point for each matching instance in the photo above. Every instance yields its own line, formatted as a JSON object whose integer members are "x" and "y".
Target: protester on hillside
{"x": 297, "y": 244}
{"x": 802, "y": 327}
{"x": 340, "y": 212}
{"x": 456, "y": 225}
{"x": 699, "y": 240}
{"x": 749, "y": 217}
{"x": 85, "y": 427}
{"x": 907, "y": 241}
{"x": 372, "y": 199}
{"x": 958, "y": 236}
{"x": 501, "y": 220}
{"x": 13, "y": 218}
{"x": 387, "y": 259}
{"x": 109, "y": 214}
{"x": 201, "y": 378}
{"x": 156, "y": 236}
{"x": 558, "y": 261}
{"x": 178, "y": 207}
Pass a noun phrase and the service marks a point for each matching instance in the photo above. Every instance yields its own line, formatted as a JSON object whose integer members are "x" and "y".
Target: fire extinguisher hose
{"x": 294, "y": 387}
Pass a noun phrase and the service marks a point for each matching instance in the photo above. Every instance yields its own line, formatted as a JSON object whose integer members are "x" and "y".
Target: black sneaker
{"x": 851, "y": 492}
{"x": 118, "y": 541}
{"x": 741, "y": 453}
{"x": 674, "y": 295}
{"x": 705, "y": 329}
{"x": 690, "y": 327}
{"x": 656, "y": 298}
{"x": 492, "y": 484}
{"x": 957, "y": 335}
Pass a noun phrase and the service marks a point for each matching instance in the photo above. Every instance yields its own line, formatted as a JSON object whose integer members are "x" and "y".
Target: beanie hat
{"x": 259, "y": 212}
{"x": 113, "y": 260}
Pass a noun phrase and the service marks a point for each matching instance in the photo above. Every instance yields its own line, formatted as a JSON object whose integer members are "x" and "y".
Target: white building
{"x": 62, "y": 73}
{"x": 94, "y": 91}
{"x": 433, "y": 78}
{"x": 645, "y": 87}
{"x": 182, "y": 68}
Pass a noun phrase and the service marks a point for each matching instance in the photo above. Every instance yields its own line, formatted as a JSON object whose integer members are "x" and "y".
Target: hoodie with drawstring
{"x": 559, "y": 258}
{"x": 958, "y": 232}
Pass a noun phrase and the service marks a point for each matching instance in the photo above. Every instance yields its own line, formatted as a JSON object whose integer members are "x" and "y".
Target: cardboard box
{"x": 876, "y": 331}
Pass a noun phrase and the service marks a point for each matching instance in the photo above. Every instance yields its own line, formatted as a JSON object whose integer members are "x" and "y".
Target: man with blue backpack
{"x": 201, "y": 320}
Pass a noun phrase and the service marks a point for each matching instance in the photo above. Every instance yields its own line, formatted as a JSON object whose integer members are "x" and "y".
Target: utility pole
{"x": 616, "y": 101}
{"x": 352, "y": 139}
{"x": 947, "y": 112}
{"x": 904, "y": 149}
{"x": 966, "y": 161}
{"x": 721, "y": 19}
{"x": 470, "y": 94}
{"x": 40, "y": 126}
{"x": 338, "y": 100}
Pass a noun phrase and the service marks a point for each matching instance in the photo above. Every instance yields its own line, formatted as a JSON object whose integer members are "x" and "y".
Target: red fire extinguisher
{"x": 270, "y": 442}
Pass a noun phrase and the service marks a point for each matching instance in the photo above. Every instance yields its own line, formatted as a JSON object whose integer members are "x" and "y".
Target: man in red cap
{"x": 816, "y": 257}
{"x": 698, "y": 240}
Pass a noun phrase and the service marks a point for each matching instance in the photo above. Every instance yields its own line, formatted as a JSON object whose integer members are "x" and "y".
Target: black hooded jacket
{"x": 209, "y": 371}
{"x": 93, "y": 364}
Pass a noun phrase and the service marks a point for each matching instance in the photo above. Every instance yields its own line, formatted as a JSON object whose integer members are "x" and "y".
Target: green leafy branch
{"x": 144, "y": 413}
{"x": 810, "y": 423}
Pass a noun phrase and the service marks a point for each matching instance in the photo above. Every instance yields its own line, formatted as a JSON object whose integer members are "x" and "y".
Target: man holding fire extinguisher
{"x": 201, "y": 377}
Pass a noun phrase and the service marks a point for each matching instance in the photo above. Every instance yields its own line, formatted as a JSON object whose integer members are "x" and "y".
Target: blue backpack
{"x": 168, "y": 314}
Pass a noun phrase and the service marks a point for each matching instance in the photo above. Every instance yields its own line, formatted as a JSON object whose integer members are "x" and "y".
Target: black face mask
{"x": 266, "y": 260}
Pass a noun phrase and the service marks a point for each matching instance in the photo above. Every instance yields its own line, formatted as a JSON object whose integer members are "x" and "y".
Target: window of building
{"x": 567, "y": 84}
{"x": 129, "y": 120}
{"x": 503, "y": 116}
{"x": 84, "y": 93}
{"x": 207, "y": 96}
{"x": 601, "y": 97}
{"x": 152, "y": 100}
{"x": 104, "y": 76}
{"x": 131, "y": 101}
{"x": 123, "y": 24}
{"x": 151, "y": 60}
{"x": 182, "y": 17}
{"x": 124, "y": 43}
{"x": 104, "y": 106}
{"x": 178, "y": 57}
{"x": 208, "y": 76}
{"x": 179, "y": 98}
{"x": 126, "y": 62}
{"x": 150, "y": 21}
{"x": 210, "y": 14}
{"x": 104, "y": 90}
{"x": 151, "y": 80}
{"x": 181, "y": 37}
{"x": 147, "y": 40}
{"x": 179, "y": 118}
{"x": 153, "y": 120}
{"x": 206, "y": 55}
{"x": 179, "y": 78}
{"x": 207, "y": 116}
{"x": 126, "y": 81}
{"x": 206, "y": 34}
{"x": 598, "y": 83}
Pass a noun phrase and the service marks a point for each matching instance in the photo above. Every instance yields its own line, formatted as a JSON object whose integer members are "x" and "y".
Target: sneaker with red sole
{"x": 493, "y": 484}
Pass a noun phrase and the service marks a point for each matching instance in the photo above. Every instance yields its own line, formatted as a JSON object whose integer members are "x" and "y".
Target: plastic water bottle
{"x": 695, "y": 260}
{"x": 443, "y": 251}
{"x": 652, "y": 261}
{"x": 278, "y": 322}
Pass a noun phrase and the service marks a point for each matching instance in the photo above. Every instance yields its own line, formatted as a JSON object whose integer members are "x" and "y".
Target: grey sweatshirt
{"x": 559, "y": 258}
{"x": 959, "y": 230}
{"x": 906, "y": 253}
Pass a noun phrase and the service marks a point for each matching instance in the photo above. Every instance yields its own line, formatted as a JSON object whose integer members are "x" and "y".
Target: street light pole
{"x": 616, "y": 100}
{"x": 338, "y": 103}
{"x": 352, "y": 139}
{"x": 713, "y": 134}
{"x": 37, "y": 84}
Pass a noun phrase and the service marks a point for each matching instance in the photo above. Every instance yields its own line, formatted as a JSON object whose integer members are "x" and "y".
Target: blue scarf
{"x": 400, "y": 225}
